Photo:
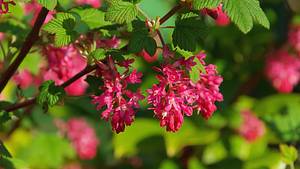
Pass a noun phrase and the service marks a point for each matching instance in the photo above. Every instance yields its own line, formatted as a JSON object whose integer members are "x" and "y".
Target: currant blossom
{"x": 4, "y": 6}
{"x": 283, "y": 70}
{"x": 24, "y": 79}
{"x": 64, "y": 63}
{"x": 252, "y": 128}
{"x": 93, "y": 3}
{"x": 35, "y": 8}
{"x": 218, "y": 14}
{"x": 294, "y": 37}
{"x": 112, "y": 43}
{"x": 148, "y": 58}
{"x": 177, "y": 95}
{"x": 119, "y": 102}
{"x": 83, "y": 138}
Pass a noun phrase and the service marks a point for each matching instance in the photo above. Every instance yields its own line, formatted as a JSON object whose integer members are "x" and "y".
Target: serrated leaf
{"x": 244, "y": 13}
{"x": 49, "y": 4}
{"x": 188, "y": 33}
{"x": 141, "y": 39}
{"x": 200, "y": 4}
{"x": 50, "y": 94}
{"x": 92, "y": 17}
{"x": 121, "y": 12}
{"x": 63, "y": 28}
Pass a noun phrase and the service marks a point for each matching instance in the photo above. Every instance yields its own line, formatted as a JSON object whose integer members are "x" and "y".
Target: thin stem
{"x": 167, "y": 27}
{"x": 170, "y": 13}
{"x": 29, "y": 41}
{"x": 161, "y": 38}
{"x": 32, "y": 101}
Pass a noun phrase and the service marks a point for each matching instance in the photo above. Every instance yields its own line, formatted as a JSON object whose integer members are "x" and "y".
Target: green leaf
{"x": 214, "y": 152}
{"x": 121, "y": 12}
{"x": 188, "y": 33}
{"x": 50, "y": 94}
{"x": 244, "y": 13}
{"x": 63, "y": 28}
{"x": 94, "y": 83}
{"x": 92, "y": 17}
{"x": 49, "y": 4}
{"x": 3, "y": 150}
{"x": 98, "y": 54}
{"x": 200, "y": 4}
{"x": 289, "y": 153}
{"x": 141, "y": 39}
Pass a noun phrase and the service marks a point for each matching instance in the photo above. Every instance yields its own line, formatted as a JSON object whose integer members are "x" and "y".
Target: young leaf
{"x": 121, "y": 12}
{"x": 49, "y": 4}
{"x": 289, "y": 154}
{"x": 141, "y": 39}
{"x": 63, "y": 28}
{"x": 244, "y": 13}
{"x": 188, "y": 32}
{"x": 200, "y": 4}
{"x": 98, "y": 54}
{"x": 50, "y": 94}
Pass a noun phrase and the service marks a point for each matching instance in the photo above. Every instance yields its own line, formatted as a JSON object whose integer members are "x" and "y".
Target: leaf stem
{"x": 32, "y": 101}
{"x": 29, "y": 41}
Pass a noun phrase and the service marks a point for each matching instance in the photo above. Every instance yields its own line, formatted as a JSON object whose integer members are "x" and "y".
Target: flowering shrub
{"x": 162, "y": 84}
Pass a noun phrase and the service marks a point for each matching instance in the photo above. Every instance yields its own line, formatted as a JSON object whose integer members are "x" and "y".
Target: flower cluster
{"x": 177, "y": 95}
{"x": 35, "y": 8}
{"x": 4, "y": 6}
{"x": 25, "y": 78}
{"x": 64, "y": 63}
{"x": 252, "y": 128}
{"x": 119, "y": 102}
{"x": 283, "y": 70}
{"x": 218, "y": 14}
{"x": 83, "y": 138}
{"x": 294, "y": 37}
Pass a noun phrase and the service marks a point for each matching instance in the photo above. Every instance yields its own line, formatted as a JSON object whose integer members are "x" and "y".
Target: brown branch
{"x": 32, "y": 101}
{"x": 29, "y": 41}
{"x": 170, "y": 13}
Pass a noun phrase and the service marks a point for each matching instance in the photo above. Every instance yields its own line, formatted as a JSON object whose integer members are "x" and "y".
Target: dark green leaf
{"x": 200, "y": 4}
{"x": 49, "y": 4}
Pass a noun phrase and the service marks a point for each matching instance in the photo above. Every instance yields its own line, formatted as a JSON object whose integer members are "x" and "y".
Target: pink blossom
{"x": 64, "y": 63}
{"x": 35, "y": 8}
{"x": 148, "y": 58}
{"x": 252, "y": 128}
{"x": 93, "y": 3}
{"x": 4, "y": 6}
{"x": 112, "y": 43}
{"x": 83, "y": 138}
{"x": 24, "y": 79}
{"x": 218, "y": 14}
{"x": 282, "y": 69}
{"x": 177, "y": 95}
{"x": 119, "y": 102}
{"x": 294, "y": 37}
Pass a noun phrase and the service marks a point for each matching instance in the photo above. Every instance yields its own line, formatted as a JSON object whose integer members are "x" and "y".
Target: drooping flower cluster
{"x": 63, "y": 64}
{"x": 119, "y": 102}
{"x": 177, "y": 95}
{"x": 25, "y": 78}
{"x": 4, "y": 6}
{"x": 93, "y": 3}
{"x": 218, "y": 14}
{"x": 252, "y": 128}
{"x": 83, "y": 138}
{"x": 283, "y": 70}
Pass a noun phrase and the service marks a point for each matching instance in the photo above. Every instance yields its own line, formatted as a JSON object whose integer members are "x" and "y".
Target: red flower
{"x": 252, "y": 127}
{"x": 93, "y": 3}
{"x": 218, "y": 14}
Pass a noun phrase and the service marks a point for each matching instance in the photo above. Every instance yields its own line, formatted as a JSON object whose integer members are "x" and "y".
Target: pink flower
{"x": 35, "y": 8}
{"x": 119, "y": 102}
{"x": 282, "y": 69}
{"x": 148, "y": 58}
{"x": 252, "y": 128}
{"x": 2, "y": 36}
{"x": 24, "y": 79}
{"x": 93, "y": 3}
{"x": 294, "y": 37}
{"x": 4, "y": 6}
{"x": 218, "y": 14}
{"x": 112, "y": 43}
{"x": 83, "y": 138}
{"x": 177, "y": 95}
{"x": 64, "y": 63}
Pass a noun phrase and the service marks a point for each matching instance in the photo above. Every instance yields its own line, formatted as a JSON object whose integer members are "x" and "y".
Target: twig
{"x": 29, "y": 41}
{"x": 170, "y": 13}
